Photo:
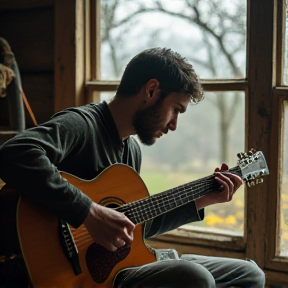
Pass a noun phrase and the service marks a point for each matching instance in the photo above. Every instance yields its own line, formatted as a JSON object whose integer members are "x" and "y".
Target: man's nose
{"x": 173, "y": 124}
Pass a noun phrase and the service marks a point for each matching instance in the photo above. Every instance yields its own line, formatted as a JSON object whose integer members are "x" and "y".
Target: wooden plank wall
{"x": 28, "y": 26}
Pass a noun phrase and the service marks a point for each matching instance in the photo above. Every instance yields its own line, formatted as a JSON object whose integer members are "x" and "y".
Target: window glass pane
{"x": 211, "y": 34}
{"x": 283, "y": 229}
{"x": 207, "y": 135}
{"x": 285, "y": 52}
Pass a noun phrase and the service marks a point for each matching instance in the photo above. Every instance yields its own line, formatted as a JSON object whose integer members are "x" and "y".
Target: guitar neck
{"x": 148, "y": 208}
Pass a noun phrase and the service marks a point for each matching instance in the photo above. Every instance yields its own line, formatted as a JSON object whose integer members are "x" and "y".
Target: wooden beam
{"x": 69, "y": 53}
{"x": 80, "y": 70}
{"x": 208, "y": 85}
{"x": 183, "y": 248}
{"x": 199, "y": 236}
{"x": 258, "y": 105}
{"x": 225, "y": 85}
{"x": 21, "y": 28}
{"x": 274, "y": 277}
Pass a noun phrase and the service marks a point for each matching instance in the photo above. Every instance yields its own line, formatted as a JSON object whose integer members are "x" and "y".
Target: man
{"x": 157, "y": 85}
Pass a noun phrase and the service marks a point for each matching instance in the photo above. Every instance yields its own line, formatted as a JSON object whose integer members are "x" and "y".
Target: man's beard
{"x": 146, "y": 121}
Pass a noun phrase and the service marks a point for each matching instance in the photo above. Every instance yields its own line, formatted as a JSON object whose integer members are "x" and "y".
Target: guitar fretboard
{"x": 148, "y": 208}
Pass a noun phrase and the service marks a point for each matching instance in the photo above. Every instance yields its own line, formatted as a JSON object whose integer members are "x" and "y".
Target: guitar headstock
{"x": 253, "y": 167}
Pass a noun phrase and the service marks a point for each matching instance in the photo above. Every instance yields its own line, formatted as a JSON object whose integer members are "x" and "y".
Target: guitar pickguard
{"x": 100, "y": 262}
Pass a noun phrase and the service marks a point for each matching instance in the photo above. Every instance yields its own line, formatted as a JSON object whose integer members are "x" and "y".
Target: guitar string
{"x": 135, "y": 213}
{"x": 176, "y": 197}
{"x": 140, "y": 212}
{"x": 157, "y": 206}
{"x": 144, "y": 209}
{"x": 162, "y": 204}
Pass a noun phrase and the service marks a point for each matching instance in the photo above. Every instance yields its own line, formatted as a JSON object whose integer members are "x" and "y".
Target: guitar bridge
{"x": 68, "y": 246}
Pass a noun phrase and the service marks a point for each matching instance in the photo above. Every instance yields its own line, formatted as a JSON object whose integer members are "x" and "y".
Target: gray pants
{"x": 193, "y": 271}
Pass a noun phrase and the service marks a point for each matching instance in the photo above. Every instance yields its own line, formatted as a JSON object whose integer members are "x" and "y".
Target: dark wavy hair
{"x": 173, "y": 72}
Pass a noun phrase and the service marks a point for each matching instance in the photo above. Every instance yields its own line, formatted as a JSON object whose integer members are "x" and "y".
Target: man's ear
{"x": 152, "y": 89}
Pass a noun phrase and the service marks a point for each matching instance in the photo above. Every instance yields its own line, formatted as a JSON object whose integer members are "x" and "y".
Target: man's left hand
{"x": 228, "y": 182}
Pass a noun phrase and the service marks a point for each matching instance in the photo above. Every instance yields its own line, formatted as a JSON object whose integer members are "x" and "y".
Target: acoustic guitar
{"x": 58, "y": 255}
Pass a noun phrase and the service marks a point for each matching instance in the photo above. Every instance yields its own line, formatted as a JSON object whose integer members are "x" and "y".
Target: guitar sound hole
{"x": 100, "y": 262}
{"x": 112, "y": 202}
{"x": 112, "y": 205}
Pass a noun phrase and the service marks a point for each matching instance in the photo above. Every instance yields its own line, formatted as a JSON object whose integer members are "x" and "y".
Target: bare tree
{"x": 220, "y": 25}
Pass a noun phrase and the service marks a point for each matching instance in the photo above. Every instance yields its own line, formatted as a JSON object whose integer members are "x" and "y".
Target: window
{"x": 213, "y": 40}
{"x": 254, "y": 81}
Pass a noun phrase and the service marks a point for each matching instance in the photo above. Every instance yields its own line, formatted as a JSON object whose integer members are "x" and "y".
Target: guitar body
{"x": 38, "y": 234}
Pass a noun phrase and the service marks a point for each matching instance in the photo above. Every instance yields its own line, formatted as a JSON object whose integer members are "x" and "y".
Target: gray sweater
{"x": 81, "y": 141}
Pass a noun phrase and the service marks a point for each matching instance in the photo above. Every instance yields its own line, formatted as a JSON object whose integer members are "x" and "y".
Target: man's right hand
{"x": 109, "y": 228}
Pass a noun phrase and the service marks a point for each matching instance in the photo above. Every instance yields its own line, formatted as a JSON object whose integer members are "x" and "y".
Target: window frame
{"x": 273, "y": 262}
{"x": 263, "y": 95}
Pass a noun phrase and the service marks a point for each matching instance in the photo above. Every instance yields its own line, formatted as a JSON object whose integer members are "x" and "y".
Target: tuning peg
{"x": 240, "y": 155}
{"x": 260, "y": 180}
{"x": 253, "y": 151}
{"x": 249, "y": 177}
{"x": 247, "y": 161}
{"x": 251, "y": 183}
{"x": 246, "y": 154}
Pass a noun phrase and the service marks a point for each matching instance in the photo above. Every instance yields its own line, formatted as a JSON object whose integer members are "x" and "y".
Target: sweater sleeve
{"x": 173, "y": 219}
{"x": 29, "y": 161}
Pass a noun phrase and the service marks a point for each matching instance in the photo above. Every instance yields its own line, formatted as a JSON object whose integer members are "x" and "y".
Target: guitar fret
{"x": 155, "y": 205}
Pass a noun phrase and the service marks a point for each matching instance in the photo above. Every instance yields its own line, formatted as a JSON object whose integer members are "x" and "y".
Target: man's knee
{"x": 169, "y": 274}
{"x": 256, "y": 273}
{"x": 193, "y": 275}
